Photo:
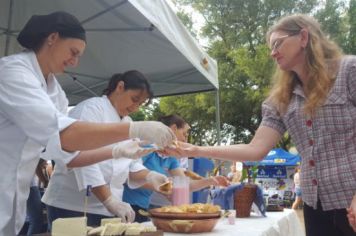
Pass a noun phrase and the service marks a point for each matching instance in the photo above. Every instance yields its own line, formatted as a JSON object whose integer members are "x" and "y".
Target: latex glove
{"x": 181, "y": 149}
{"x": 120, "y": 209}
{"x": 156, "y": 179}
{"x": 130, "y": 149}
{"x": 152, "y": 131}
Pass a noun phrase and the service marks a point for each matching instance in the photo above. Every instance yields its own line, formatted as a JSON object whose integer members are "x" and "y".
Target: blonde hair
{"x": 322, "y": 60}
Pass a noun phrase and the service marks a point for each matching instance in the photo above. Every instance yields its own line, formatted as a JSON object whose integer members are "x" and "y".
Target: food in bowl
{"x": 191, "y": 208}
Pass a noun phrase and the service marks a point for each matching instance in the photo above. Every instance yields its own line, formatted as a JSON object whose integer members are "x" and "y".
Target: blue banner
{"x": 272, "y": 172}
{"x": 277, "y": 157}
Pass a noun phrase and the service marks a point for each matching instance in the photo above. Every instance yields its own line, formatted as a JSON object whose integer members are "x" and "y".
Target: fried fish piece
{"x": 192, "y": 175}
{"x": 175, "y": 142}
{"x": 166, "y": 187}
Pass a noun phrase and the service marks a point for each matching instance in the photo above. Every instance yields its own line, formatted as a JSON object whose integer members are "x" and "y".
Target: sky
{"x": 197, "y": 19}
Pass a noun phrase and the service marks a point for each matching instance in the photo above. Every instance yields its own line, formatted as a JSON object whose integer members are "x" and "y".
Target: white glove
{"x": 153, "y": 132}
{"x": 130, "y": 149}
{"x": 156, "y": 179}
{"x": 120, "y": 209}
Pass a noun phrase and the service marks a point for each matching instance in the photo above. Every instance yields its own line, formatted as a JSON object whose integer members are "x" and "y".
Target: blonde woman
{"x": 314, "y": 99}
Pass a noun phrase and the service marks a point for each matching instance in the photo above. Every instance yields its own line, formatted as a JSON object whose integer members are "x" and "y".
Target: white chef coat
{"x": 29, "y": 122}
{"x": 67, "y": 189}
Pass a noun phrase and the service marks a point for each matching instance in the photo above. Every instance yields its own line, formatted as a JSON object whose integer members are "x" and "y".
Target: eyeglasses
{"x": 279, "y": 41}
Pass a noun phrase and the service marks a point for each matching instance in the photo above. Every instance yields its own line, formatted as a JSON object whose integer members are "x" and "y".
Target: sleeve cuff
{"x": 54, "y": 149}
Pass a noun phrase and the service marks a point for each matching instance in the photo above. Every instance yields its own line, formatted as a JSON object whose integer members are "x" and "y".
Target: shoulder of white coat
{"x": 18, "y": 68}
{"x": 90, "y": 109}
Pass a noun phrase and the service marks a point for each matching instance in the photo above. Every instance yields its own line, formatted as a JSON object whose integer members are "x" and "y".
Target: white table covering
{"x": 284, "y": 223}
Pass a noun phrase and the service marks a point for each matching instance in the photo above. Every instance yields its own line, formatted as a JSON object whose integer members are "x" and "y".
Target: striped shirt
{"x": 326, "y": 142}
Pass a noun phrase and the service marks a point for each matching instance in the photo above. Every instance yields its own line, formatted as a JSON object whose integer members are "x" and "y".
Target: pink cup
{"x": 180, "y": 191}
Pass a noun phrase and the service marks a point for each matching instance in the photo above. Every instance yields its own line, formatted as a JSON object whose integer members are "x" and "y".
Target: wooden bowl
{"x": 186, "y": 226}
{"x": 183, "y": 216}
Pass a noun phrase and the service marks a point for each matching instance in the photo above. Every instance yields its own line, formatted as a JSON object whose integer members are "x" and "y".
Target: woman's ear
{"x": 304, "y": 35}
{"x": 120, "y": 87}
{"x": 52, "y": 38}
{"x": 174, "y": 127}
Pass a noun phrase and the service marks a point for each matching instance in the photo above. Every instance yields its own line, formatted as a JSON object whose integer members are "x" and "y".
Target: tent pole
{"x": 103, "y": 12}
{"x": 9, "y": 20}
{"x": 217, "y": 115}
{"x": 83, "y": 86}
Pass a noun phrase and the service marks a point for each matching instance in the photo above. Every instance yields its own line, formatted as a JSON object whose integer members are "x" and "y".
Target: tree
{"x": 198, "y": 110}
{"x": 236, "y": 31}
{"x": 351, "y": 49}
{"x": 333, "y": 21}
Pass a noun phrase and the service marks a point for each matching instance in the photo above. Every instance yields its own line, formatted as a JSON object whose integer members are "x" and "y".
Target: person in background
{"x": 234, "y": 175}
{"x": 298, "y": 192}
{"x": 314, "y": 99}
{"x": 34, "y": 207}
{"x": 181, "y": 129}
{"x": 145, "y": 198}
{"x": 33, "y": 112}
{"x": 64, "y": 197}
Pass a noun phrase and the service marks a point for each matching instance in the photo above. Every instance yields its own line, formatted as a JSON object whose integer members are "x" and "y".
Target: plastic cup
{"x": 180, "y": 190}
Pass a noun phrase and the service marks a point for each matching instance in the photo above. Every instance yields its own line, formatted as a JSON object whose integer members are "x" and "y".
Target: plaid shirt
{"x": 326, "y": 142}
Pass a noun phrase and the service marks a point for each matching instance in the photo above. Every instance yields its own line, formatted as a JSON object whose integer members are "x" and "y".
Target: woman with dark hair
{"x": 169, "y": 166}
{"x": 33, "y": 107}
{"x": 64, "y": 196}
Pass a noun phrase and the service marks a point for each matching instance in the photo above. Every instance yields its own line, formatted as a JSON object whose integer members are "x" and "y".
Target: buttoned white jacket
{"x": 30, "y": 120}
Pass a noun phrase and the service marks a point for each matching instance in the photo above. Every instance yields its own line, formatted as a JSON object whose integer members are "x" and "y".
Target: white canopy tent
{"x": 122, "y": 34}
{"x": 145, "y": 35}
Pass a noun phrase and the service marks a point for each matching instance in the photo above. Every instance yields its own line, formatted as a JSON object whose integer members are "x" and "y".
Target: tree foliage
{"x": 236, "y": 32}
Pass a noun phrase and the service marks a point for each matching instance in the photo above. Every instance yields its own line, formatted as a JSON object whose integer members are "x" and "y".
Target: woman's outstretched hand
{"x": 179, "y": 149}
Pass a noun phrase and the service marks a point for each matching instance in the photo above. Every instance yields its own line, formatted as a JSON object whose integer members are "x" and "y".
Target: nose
{"x": 74, "y": 61}
{"x": 274, "y": 53}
